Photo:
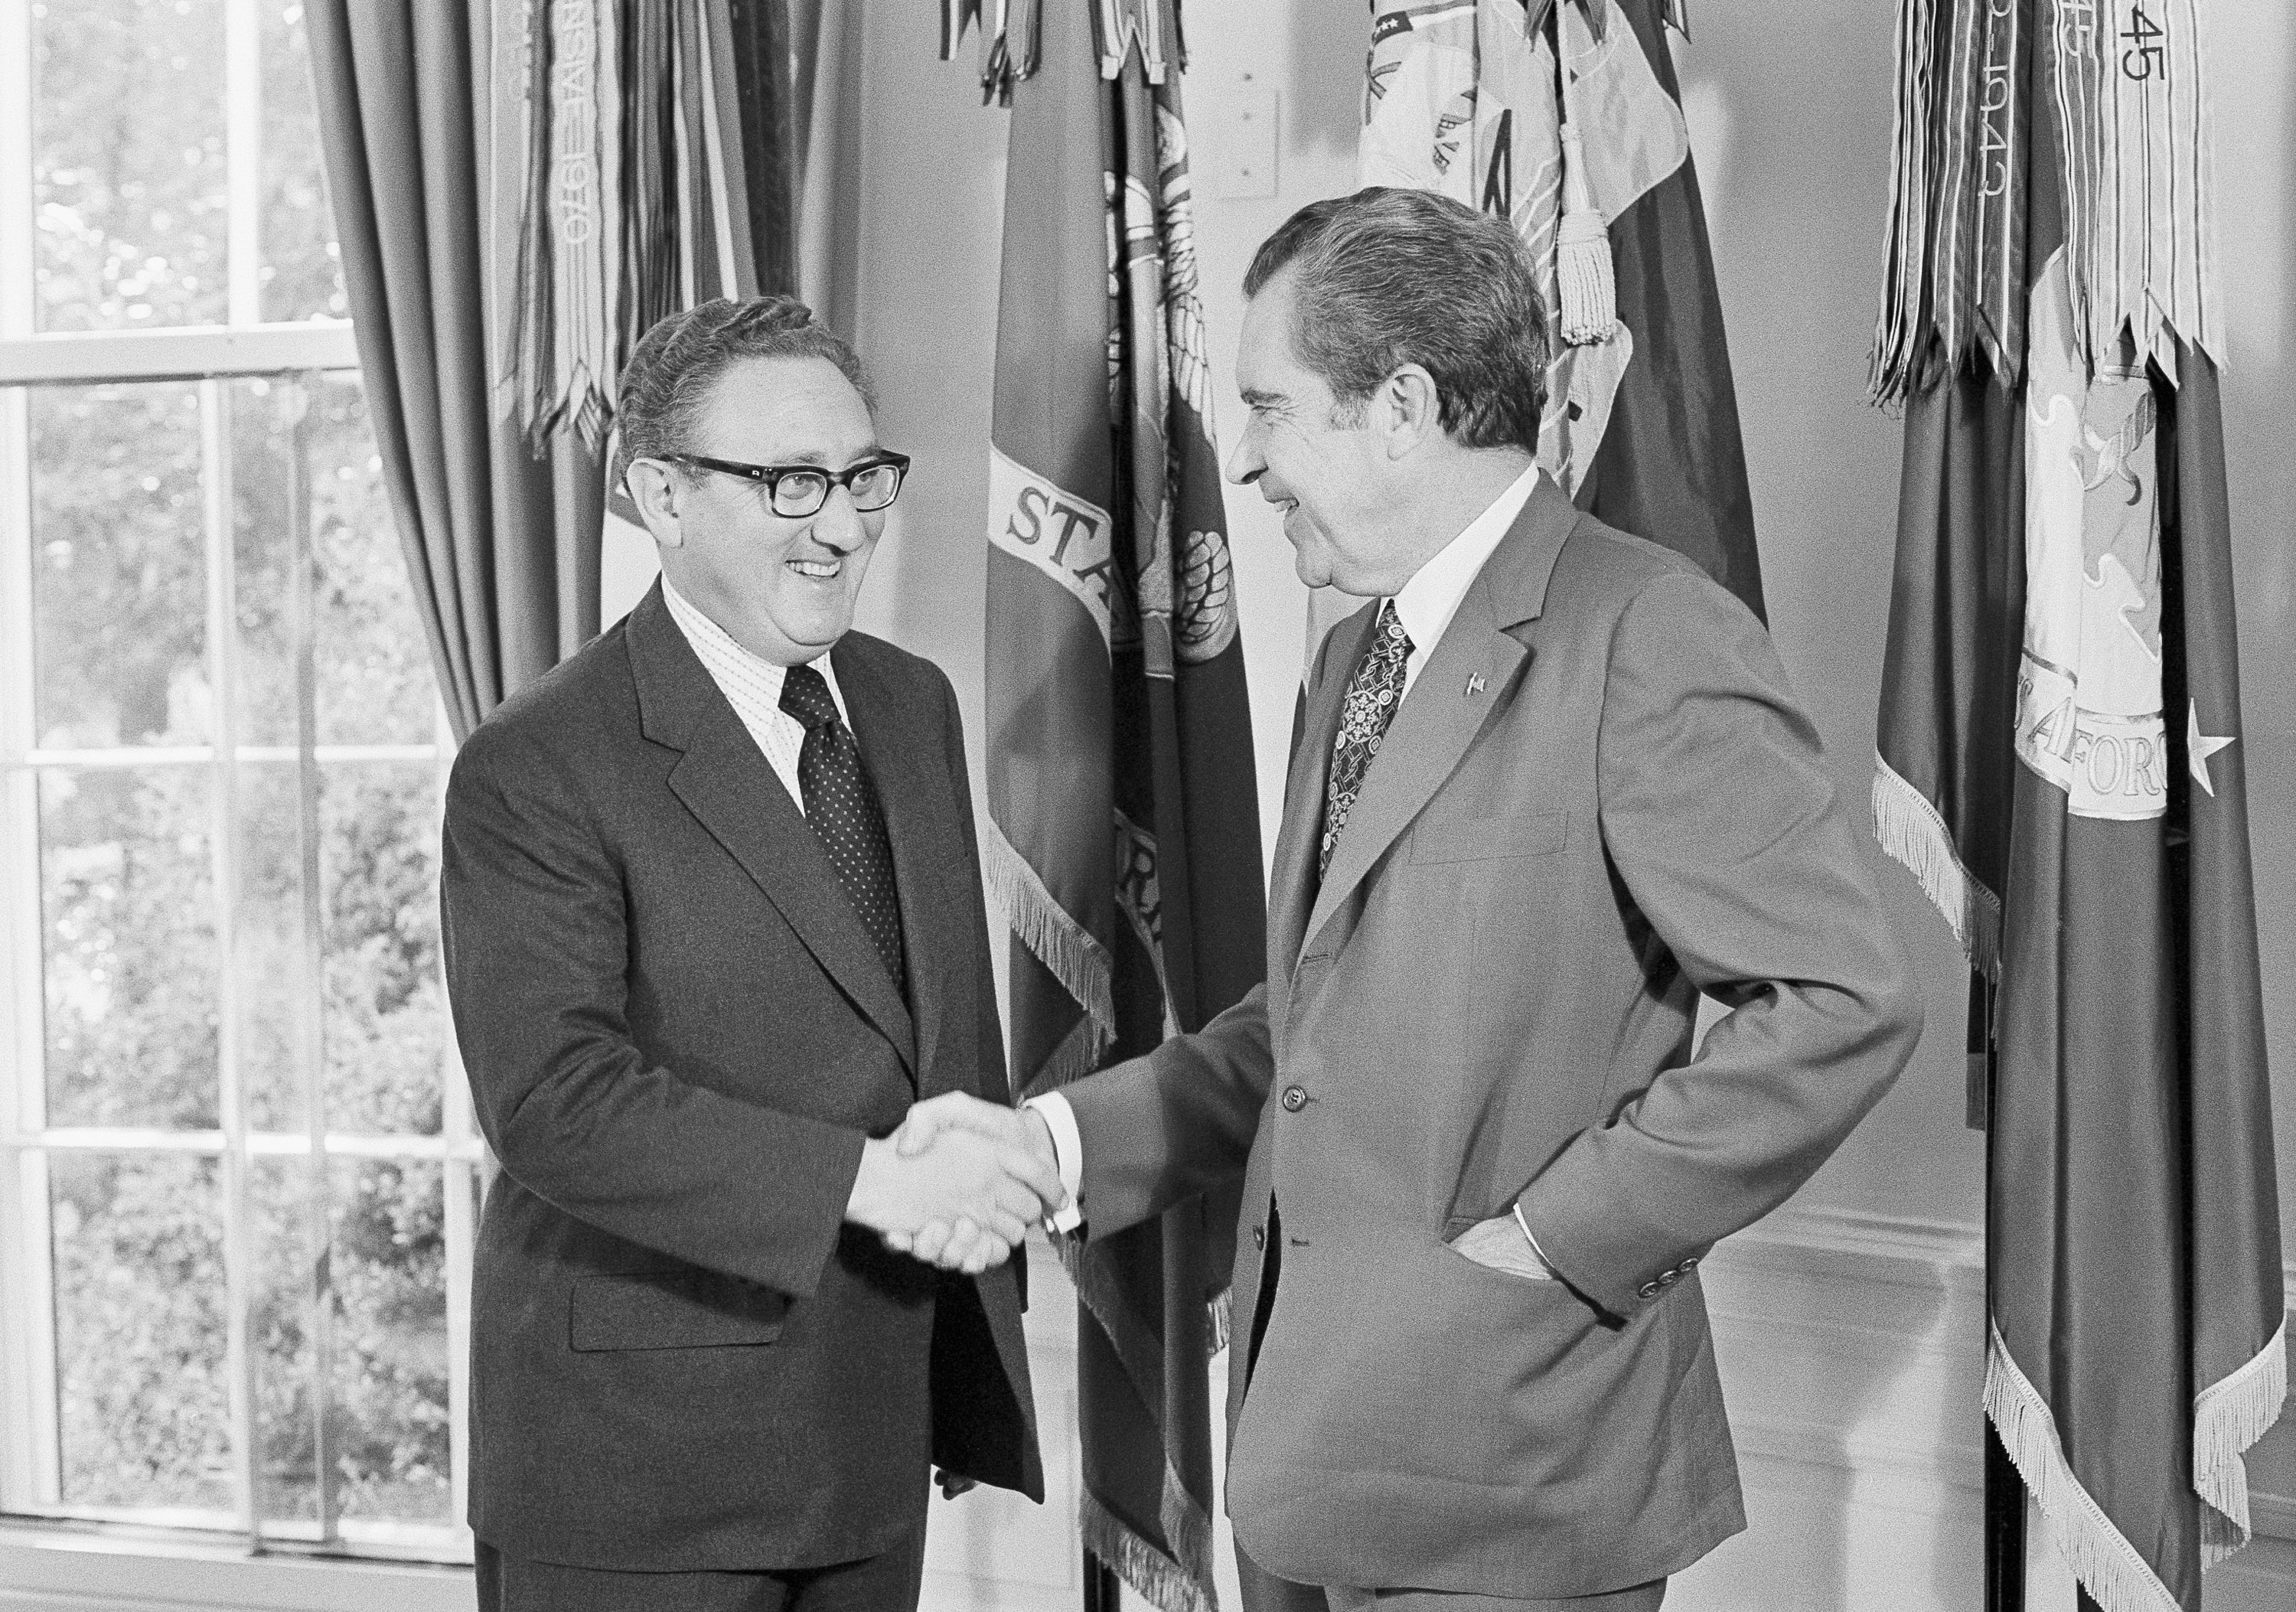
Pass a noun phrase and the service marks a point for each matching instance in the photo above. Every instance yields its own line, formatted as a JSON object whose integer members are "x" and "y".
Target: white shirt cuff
{"x": 1068, "y": 1152}
{"x": 1533, "y": 1241}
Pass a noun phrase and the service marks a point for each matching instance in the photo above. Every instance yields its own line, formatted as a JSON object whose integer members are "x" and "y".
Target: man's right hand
{"x": 950, "y": 1244}
{"x": 988, "y": 1187}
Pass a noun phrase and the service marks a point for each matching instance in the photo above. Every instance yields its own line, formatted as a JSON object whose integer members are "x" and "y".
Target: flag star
{"x": 2200, "y": 747}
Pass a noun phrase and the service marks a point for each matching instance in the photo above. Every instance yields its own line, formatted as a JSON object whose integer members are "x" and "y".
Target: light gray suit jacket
{"x": 1598, "y": 799}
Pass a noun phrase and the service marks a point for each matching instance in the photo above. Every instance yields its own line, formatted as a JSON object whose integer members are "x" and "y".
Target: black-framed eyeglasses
{"x": 793, "y": 491}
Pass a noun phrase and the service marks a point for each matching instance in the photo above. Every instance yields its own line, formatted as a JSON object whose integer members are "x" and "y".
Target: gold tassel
{"x": 1588, "y": 287}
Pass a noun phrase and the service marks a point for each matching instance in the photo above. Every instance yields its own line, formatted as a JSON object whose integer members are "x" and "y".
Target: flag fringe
{"x": 1155, "y": 1577}
{"x": 1080, "y": 963}
{"x": 2229, "y": 1416}
{"x": 1913, "y": 834}
{"x": 2113, "y": 1570}
{"x": 1188, "y": 1528}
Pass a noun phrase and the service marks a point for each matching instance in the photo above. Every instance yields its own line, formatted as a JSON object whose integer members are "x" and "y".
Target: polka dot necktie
{"x": 1369, "y": 705}
{"x": 842, "y": 805}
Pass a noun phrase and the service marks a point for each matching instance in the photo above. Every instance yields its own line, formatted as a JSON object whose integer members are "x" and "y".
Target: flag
{"x": 2059, "y": 760}
{"x": 1564, "y": 118}
{"x": 1123, "y": 836}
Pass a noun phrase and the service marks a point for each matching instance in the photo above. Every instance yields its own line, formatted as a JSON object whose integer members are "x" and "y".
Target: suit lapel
{"x": 1466, "y": 679}
{"x": 725, "y": 782}
{"x": 896, "y": 746}
{"x": 1438, "y": 720}
{"x": 1294, "y": 883}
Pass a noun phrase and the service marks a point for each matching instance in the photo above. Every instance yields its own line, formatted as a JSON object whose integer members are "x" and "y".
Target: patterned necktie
{"x": 842, "y": 805}
{"x": 1372, "y": 694}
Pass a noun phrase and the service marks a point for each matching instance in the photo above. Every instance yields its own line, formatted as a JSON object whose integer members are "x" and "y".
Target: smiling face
{"x": 1333, "y": 480}
{"x": 783, "y": 588}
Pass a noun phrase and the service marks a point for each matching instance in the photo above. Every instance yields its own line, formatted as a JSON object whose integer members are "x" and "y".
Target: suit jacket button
{"x": 1648, "y": 1290}
{"x": 1689, "y": 1264}
{"x": 1259, "y": 1239}
{"x": 1666, "y": 1278}
{"x": 1295, "y": 1098}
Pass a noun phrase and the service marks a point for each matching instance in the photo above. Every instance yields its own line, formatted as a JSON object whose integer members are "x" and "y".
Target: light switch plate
{"x": 1241, "y": 141}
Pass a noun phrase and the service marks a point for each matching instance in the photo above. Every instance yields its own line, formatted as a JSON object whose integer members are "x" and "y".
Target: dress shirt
{"x": 1431, "y": 598}
{"x": 1426, "y": 604}
{"x": 753, "y": 687}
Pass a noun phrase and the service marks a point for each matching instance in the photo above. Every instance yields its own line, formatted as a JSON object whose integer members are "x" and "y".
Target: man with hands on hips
{"x": 713, "y": 923}
{"x": 1550, "y": 787}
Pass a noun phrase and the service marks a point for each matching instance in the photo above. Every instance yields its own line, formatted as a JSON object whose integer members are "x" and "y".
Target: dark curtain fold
{"x": 502, "y": 548}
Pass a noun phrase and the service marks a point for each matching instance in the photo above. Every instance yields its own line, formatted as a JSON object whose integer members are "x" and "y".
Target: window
{"x": 238, "y": 1172}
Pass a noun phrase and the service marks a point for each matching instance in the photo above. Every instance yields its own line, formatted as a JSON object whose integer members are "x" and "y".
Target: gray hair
{"x": 1388, "y": 277}
{"x": 676, "y": 363}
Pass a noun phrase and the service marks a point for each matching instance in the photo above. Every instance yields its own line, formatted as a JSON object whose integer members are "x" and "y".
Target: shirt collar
{"x": 1432, "y": 597}
{"x": 730, "y": 666}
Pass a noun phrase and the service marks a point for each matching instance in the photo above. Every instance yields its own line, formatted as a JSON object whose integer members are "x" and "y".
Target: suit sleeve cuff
{"x": 1068, "y": 1152}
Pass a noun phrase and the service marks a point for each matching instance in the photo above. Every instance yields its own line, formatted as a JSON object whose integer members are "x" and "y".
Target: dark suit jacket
{"x": 1597, "y": 800}
{"x": 677, "y": 1035}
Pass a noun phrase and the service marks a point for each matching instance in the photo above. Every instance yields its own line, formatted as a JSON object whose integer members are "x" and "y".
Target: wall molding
{"x": 1957, "y": 1246}
{"x": 45, "y": 1569}
{"x": 1875, "y": 1268}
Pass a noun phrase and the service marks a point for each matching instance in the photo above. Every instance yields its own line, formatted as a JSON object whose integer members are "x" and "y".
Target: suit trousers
{"x": 1641, "y": 1598}
{"x": 888, "y": 1582}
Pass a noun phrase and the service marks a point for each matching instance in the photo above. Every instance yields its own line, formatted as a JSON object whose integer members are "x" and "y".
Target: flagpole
{"x": 2004, "y": 1531}
{"x": 2005, "y": 1490}
{"x": 1102, "y": 1590}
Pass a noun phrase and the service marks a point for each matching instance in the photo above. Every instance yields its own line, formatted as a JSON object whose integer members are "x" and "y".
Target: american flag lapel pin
{"x": 1475, "y": 683}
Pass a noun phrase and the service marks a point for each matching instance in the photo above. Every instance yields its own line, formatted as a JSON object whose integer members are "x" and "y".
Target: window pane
{"x": 128, "y": 901}
{"x": 118, "y": 573}
{"x": 143, "y": 1398}
{"x": 386, "y": 1020}
{"x": 388, "y": 1427}
{"x": 279, "y": 1198}
{"x": 374, "y": 664}
{"x": 269, "y": 959}
{"x": 373, "y": 660}
{"x": 391, "y": 1363}
{"x": 383, "y": 1012}
{"x": 129, "y": 174}
{"x": 262, "y": 456}
{"x": 302, "y": 273}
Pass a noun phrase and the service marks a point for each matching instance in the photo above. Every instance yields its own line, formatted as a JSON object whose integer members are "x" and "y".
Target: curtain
{"x": 521, "y": 188}
{"x": 502, "y": 547}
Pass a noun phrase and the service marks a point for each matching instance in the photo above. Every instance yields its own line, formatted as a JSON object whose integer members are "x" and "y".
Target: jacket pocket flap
{"x": 673, "y": 1309}
{"x": 1520, "y": 833}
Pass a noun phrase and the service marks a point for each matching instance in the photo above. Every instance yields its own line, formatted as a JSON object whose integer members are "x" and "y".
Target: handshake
{"x": 958, "y": 1185}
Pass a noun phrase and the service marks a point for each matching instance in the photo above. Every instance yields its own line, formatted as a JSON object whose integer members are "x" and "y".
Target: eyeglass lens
{"x": 801, "y": 492}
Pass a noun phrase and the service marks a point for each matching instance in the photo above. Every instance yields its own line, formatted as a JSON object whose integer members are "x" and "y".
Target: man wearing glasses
{"x": 714, "y": 924}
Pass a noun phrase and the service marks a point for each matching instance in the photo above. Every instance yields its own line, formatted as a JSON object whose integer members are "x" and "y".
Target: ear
{"x": 657, "y": 489}
{"x": 1407, "y": 409}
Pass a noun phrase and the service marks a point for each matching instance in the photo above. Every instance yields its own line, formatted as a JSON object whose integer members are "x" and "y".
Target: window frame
{"x": 33, "y": 1516}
